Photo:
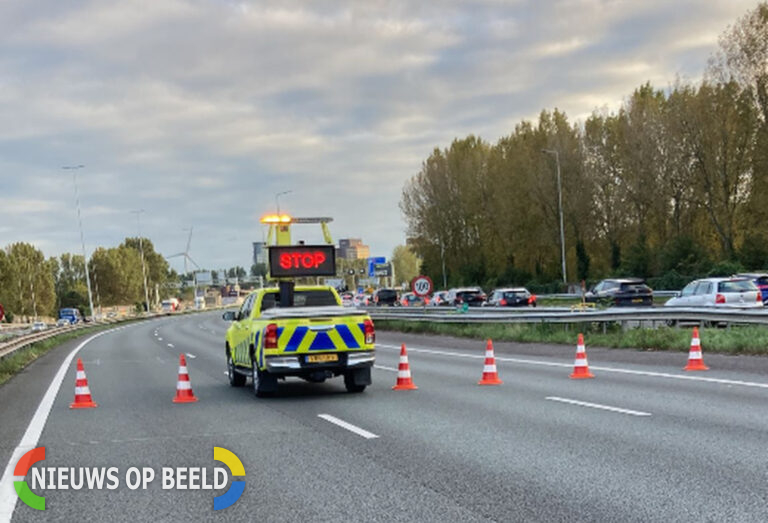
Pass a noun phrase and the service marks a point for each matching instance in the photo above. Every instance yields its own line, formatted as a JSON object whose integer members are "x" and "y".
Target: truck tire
{"x": 355, "y": 383}
{"x": 235, "y": 378}
{"x": 264, "y": 384}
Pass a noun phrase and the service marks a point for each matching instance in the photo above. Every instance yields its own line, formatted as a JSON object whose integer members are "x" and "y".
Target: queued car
{"x": 760, "y": 279}
{"x": 63, "y": 322}
{"x": 472, "y": 296}
{"x": 384, "y": 297}
{"x": 440, "y": 298}
{"x": 719, "y": 292}
{"x": 410, "y": 299}
{"x": 347, "y": 299}
{"x": 511, "y": 297}
{"x": 631, "y": 292}
{"x": 39, "y": 326}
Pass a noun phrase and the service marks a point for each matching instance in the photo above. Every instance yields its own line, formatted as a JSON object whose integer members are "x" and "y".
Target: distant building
{"x": 259, "y": 253}
{"x": 353, "y": 249}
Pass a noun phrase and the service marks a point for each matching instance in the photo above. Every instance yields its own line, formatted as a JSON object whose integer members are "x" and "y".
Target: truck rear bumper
{"x": 297, "y": 364}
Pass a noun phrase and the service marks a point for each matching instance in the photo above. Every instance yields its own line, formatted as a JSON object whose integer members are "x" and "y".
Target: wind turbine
{"x": 185, "y": 254}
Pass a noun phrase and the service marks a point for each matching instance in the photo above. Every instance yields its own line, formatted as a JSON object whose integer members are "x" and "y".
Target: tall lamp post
{"x": 141, "y": 251}
{"x": 277, "y": 201}
{"x": 74, "y": 169}
{"x": 559, "y": 209}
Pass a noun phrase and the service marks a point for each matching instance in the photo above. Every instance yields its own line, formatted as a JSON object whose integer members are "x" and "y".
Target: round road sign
{"x": 421, "y": 285}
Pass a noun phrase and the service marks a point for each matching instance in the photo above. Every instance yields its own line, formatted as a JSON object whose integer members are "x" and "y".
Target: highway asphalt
{"x": 643, "y": 441}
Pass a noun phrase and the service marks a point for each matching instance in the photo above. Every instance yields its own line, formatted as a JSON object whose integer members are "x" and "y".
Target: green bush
{"x": 726, "y": 268}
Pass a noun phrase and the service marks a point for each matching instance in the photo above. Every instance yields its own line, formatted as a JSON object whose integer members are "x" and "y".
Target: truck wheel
{"x": 263, "y": 383}
{"x": 235, "y": 378}
{"x": 349, "y": 383}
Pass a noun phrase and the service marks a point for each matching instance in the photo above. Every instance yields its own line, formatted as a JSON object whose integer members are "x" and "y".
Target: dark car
{"x": 472, "y": 296}
{"x": 511, "y": 297}
{"x": 382, "y": 297}
{"x": 621, "y": 292}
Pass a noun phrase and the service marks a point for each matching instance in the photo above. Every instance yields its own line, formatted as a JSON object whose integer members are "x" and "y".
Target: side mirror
{"x": 229, "y": 316}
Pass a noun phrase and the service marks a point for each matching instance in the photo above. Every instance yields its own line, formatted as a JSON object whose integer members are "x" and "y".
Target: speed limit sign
{"x": 421, "y": 285}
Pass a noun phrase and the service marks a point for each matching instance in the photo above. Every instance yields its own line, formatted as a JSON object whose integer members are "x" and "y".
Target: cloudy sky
{"x": 199, "y": 111}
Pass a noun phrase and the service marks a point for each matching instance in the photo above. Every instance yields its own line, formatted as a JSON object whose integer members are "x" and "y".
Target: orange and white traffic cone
{"x": 184, "y": 392}
{"x": 82, "y": 392}
{"x": 580, "y": 365}
{"x": 490, "y": 375}
{"x": 694, "y": 355}
{"x": 404, "y": 381}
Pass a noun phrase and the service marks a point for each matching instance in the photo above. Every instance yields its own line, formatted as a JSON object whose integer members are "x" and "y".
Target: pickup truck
{"x": 315, "y": 339}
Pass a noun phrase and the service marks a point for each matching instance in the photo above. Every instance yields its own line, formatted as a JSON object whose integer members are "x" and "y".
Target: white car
{"x": 39, "y": 326}
{"x": 62, "y": 322}
{"x": 719, "y": 292}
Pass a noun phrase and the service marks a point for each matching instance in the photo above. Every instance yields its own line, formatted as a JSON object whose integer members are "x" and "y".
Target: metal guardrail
{"x": 559, "y": 315}
{"x": 6, "y": 349}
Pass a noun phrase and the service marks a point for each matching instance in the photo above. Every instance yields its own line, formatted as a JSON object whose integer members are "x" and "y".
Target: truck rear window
{"x": 318, "y": 298}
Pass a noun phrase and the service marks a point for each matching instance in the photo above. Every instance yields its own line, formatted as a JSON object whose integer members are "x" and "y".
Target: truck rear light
{"x": 759, "y": 297}
{"x": 719, "y": 298}
{"x": 369, "y": 331}
{"x": 270, "y": 336}
{"x": 531, "y": 299}
{"x": 502, "y": 301}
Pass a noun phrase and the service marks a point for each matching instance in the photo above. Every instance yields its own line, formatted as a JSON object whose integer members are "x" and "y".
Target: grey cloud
{"x": 200, "y": 111}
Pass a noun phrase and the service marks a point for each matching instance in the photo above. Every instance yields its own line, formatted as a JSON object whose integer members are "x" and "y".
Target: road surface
{"x": 643, "y": 441}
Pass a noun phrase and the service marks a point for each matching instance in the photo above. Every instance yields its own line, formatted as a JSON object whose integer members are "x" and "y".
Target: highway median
{"x": 736, "y": 340}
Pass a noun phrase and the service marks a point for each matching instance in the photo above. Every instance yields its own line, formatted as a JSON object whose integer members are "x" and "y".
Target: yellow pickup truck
{"x": 313, "y": 338}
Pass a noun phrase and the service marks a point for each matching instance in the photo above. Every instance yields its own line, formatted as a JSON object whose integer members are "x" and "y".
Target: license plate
{"x": 637, "y": 300}
{"x": 322, "y": 358}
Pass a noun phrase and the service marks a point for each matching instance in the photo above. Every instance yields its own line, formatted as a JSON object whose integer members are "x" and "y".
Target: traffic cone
{"x": 694, "y": 355}
{"x": 82, "y": 392}
{"x": 404, "y": 381}
{"x": 490, "y": 376}
{"x": 184, "y": 392}
{"x": 580, "y": 366}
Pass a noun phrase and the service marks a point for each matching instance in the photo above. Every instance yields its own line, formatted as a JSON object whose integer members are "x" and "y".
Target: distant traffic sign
{"x": 422, "y": 285}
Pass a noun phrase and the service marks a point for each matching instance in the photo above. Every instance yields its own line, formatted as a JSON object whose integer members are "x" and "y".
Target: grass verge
{"x": 736, "y": 340}
{"x": 23, "y": 357}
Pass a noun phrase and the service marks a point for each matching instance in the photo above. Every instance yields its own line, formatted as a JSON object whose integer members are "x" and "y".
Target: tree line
{"x": 669, "y": 187}
{"x": 31, "y": 285}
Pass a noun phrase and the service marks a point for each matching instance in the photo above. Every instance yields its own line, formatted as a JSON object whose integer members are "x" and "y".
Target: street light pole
{"x": 277, "y": 202}
{"x": 141, "y": 251}
{"x": 559, "y": 209}
{"x": 74, "y": 169}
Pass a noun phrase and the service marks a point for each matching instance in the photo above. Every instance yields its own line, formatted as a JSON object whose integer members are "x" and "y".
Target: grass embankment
{"x": 736, "y": 340}
{"x": 570, "y": 302}
{"x": 23, "y": 357}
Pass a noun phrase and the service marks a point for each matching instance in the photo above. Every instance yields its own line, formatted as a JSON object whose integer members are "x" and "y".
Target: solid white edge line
{"x": 352, "y": 428}
{"x": 34, "y": 430}
{"x": 170, "y": 345}
{"x": 721, "y": 381}
{"x": 598, "y": 406}
{"x": 382, "y": 367}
